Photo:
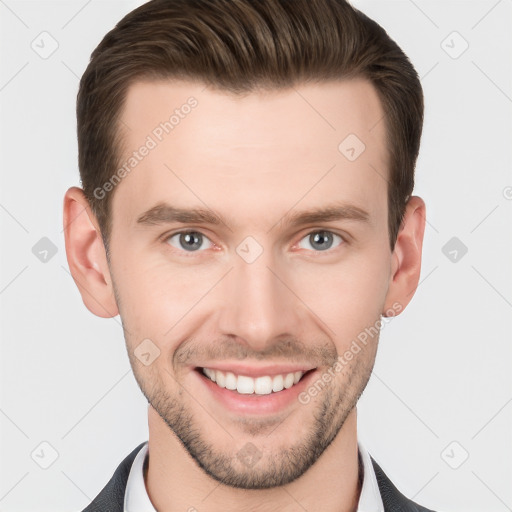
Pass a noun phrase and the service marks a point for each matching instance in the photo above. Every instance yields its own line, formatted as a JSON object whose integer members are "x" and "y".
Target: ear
{"x": 406, "y": 257}
{"x": 86, "y": 255}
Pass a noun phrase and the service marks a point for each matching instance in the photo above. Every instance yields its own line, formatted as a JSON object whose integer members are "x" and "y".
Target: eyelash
{"x": 188, "y": 254}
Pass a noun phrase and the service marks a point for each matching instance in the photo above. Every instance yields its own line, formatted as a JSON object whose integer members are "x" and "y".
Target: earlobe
{"x": 406, "y": 257}
{"x": 86, "y": 255}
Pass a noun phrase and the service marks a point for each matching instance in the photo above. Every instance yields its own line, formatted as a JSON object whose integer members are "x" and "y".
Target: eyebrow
{"x": 163, "y": 213}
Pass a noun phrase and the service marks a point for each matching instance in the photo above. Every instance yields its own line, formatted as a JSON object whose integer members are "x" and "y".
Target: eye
{"x": 190, "y": 241}
{"x": 320, "y": 240}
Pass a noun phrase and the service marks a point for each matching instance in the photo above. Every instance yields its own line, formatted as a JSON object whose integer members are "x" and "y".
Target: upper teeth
{"x": 247, "y": 385}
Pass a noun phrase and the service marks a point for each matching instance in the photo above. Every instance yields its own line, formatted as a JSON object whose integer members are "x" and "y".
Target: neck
{"x": 175, "y": 482}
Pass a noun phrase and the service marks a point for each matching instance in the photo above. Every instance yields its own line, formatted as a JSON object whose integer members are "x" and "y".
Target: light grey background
{"x": 441, "y": 389}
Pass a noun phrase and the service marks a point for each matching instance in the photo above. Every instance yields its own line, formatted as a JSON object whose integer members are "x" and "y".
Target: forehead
{"x": 259, "y": 152}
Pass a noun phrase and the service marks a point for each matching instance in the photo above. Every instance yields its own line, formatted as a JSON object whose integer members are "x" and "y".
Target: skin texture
{"x": 253, "y": 159}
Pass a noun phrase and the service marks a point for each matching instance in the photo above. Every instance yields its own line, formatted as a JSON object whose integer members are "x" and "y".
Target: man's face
{"x": 255, "y": 290}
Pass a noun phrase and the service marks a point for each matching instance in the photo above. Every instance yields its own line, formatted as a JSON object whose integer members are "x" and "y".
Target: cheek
{"x": 158, "y": 298}
{"x": 164, "y": 301}
{"x": 345, "y": 298}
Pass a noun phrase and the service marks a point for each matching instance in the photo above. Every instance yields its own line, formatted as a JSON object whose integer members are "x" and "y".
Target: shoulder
{"x": 393, "y": 499}
{"x": 111, "y": 497}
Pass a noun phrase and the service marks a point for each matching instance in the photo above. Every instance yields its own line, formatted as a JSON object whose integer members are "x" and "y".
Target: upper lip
{"x": 258, "y": 371}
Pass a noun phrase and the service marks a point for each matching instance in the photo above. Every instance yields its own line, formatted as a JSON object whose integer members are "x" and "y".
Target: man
{"x": 221, "y": 144}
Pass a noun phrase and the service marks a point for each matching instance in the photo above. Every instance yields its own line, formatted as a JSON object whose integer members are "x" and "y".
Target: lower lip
{"x": 256, "y": 404}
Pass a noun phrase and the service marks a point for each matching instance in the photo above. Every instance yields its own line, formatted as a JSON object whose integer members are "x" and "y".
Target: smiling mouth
{"x": 245, "y": 385}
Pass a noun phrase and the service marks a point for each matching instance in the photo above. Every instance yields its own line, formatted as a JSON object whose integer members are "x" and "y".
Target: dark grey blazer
{"x": 111, "y": 498}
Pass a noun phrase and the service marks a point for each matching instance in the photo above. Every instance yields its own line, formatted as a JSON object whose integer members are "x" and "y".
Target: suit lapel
{"x": 392, "y": 498}
{"x": 111, "y": 498}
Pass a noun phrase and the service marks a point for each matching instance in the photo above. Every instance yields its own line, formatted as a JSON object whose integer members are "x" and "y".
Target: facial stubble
{"x": 323, "y": 418}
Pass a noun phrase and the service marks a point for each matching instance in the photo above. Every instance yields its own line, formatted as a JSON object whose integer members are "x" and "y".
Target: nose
{"x": 260, "y": 304}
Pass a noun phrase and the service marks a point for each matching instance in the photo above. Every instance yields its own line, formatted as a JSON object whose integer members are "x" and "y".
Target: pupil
{"x": 321, "y": 236}
{"x": 191, "y": 240}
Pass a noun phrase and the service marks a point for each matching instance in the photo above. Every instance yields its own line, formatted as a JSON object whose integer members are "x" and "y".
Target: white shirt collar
{"x": 369, "y": 499}
{"x": 136, "y": 498}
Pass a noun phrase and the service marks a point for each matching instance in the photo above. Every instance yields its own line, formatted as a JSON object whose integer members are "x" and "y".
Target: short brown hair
{"x": 240, "y": 46}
